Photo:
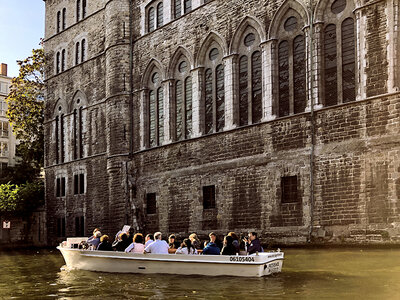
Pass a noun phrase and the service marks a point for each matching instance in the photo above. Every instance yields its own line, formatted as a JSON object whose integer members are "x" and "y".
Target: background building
{"x": 8, "y": 141}
{"x": 280, "y": 117}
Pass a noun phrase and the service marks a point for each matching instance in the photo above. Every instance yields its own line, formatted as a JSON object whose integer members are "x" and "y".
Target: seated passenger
{"x": 148, "y": 240}
{"x": 253, "y": 244}
{"x": 186, "y": 248}
{"x": 235, "y": 241}
{"x": 215, "y": 240}
{"x": 104, "y": 245}
{"x": 195, "y": 240}
{"x": 137, "y": 245}
{"x": 94, "y": 240}
{"x": 122, "y": 243}
{"x": 229, "y": 248}
{"x": 158, "y": 246}
{"x": 172, "y": 242}
{"x": 211, "y": 248}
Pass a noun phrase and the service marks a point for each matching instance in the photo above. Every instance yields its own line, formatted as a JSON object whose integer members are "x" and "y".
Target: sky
{"x": 21, "y": 28}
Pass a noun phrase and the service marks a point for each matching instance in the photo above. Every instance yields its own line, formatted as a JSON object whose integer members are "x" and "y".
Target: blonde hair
{"x": 104, "y": 237}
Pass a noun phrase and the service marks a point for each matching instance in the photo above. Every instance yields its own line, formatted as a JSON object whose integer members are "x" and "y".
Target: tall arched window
{"x": 183, "y": 100}
{"x": 291, "y": 66}
{"x": 58, "y": 21}
{"x": 160, "y": 14}
{"x": 83, "y": 52}
{"x": 84, "y": 9}
{"x": 250, "y": 81}
{"x": 339, "y": 53}
{"x": 156, "y": 110}
{"x": 64, "y": 18}
{"x": 178, "y": 8}
{"x": 78, "y": 130}
{"x": 58, "y": 62}
{"x": 77, "y": 50}
{"x": 63, "y": 60}
{"x": 78, "y": 10}
{"x": 150, "y": 19}
{"x": 214, "y": 87}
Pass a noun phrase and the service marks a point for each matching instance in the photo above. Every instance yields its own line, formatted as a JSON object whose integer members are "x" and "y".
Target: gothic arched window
{"x": 250, "y": 81}
{"x": 150, "y": 19}
{"x": 64, "y": 18}
{"x": 156, "y": 110}
{"x": 58, "y": 21}
{"x": 292, "y": 97}
{"x": 160, "y": 14}
{"x": 339, "y": 53}
{"x": 214, "y": 86}
{"x": 183, "y": 100}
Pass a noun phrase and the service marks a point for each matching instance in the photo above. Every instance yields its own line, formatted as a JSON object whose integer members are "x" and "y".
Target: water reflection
{"x": 307, "y": 274}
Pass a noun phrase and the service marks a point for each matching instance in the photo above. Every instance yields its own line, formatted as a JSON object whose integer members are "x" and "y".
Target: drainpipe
{"x": 312, "y": 152}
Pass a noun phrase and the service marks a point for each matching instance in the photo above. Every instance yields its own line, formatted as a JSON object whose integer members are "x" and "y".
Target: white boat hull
{"x": 210, "y": 265}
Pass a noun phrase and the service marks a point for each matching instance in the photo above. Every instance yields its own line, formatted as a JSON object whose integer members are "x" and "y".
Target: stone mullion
{"x": 229, "y": 85}
{"x": 339, "y": 58}
{"x": 167, "y": 86}
{"x": 361, "y": 54}
{"x": 197, "y": 101}
{"x": 315, "y": 68}
{"x": 269, "y": 59}
{"x": 144, "y": 119}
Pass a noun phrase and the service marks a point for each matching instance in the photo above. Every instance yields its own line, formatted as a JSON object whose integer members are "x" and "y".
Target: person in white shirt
{"x": 148, "y": 240}
{"x": 186, "y": 248}
{"x": 158, "y": 247}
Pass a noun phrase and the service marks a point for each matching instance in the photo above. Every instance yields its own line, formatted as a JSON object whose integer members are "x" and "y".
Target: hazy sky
{"x": 21, "y": 27}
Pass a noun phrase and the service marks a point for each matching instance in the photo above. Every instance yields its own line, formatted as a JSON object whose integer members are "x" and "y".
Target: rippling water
{"x": 306, "y": 274}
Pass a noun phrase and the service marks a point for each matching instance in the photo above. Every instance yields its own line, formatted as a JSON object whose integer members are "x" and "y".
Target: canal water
{"x": 307, "y": 274}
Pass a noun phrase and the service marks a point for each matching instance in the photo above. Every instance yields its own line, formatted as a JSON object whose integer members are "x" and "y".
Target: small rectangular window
{"x": 76, "y": 184}
{"x": 151, "y": 202}
{"x": 209, "y": 196}
{"x": 289, "y": 189}
{"x": 80, "y": 226}
{"x": 81, "y": 183}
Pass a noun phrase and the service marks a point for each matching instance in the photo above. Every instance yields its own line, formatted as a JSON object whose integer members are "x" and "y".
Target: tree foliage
{"x": 26, "y": 109}
{"x": 20, "y": 199}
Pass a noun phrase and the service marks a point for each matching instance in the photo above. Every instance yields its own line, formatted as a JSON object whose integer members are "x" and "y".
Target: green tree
{"x": 26, "y": 110}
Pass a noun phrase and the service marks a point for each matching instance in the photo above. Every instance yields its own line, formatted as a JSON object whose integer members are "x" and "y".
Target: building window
{"x": 60, "y": 227}
{"x": 64, "y": 18}
{"x": 78, "y": 10}
{"x": 214, "y": 93}
{"x": 156, "y": 111}
{"x": 209, "y": 196}
{"x": 160, "y": 14}
{"x": 183, "y": 101}
{"x": 84, "y": 9}
{"x": 289, "y": 189}
{"x": 79, "y": 184}
{"x": 178, "y": 8}
{"x": 292, "y": 73}
{"x": 150, "y": 19}
{"x": 3, "y": 168}
{"x": 4, "y": 129}
{"x": 83, "y": 52}
{"x": 77, "y": 55}
{"x": 58, "y": 25}
{"x": 187, "y": 6}
{"x": 58, "y": 62}
{"x": 80, "y": 226}
{"x": 3, "y": 149}
{"x": 151, "y": 203}
{"x": 60, "y": 187}
{"x": 62, "y": 152}
{"x": 63, "y": 60}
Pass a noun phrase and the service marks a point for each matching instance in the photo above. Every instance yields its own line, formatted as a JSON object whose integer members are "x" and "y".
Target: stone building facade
{"x": 280, "y": 117}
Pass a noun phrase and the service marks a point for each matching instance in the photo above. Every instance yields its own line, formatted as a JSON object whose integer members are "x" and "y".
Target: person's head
{"x": 123, "y": 236}
{"x": 171, "y": 238}
{"x": 187, "y": 243}
{"x": 95, "y": 230}
{"x": 149, "y": 237}
{"x": 131, "y": 232}
{"x": 97, "y": 234}
{"x": 252, "y": 236}
{"x": 158, "y": 235}
{"x": 104, "y": 238}
{"x": 233, "y": 235}
{"x": 228, "y": 240}
{"x": 138, "y": 238}
{"x": 213, "y": 237}
{"x": 193, "y": 237}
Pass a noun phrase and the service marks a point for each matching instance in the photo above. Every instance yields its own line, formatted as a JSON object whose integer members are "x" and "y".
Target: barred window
{"x": 160, "y": 17}
{"x": 292, "y": 98}
{"x": 214, "y": 81}
{"x": 339, "y": 38}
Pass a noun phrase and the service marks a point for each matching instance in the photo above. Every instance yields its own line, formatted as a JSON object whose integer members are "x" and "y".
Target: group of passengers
{"x": 136, "y": 243}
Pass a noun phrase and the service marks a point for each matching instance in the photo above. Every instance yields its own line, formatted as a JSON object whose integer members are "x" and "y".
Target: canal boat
{"x": 255, "y": 265}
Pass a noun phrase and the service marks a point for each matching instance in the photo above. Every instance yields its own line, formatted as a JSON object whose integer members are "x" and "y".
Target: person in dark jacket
{"x": 122, "y": 243}
{"x": 211, "y": 249}
{"x": 229, "y": 248}
{"x": 253, "y": 244}
{"x": 104, "y": 245}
